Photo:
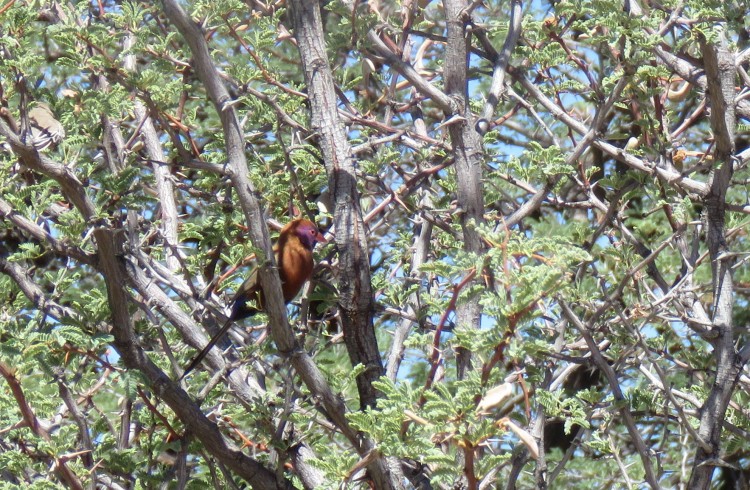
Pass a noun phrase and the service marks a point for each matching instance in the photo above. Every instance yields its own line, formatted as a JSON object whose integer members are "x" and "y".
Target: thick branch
{"x": 354, "y": 283}
{"x": 59, "y": 247}
{"x": 164, "y": 185}
{"x": 467, "y": 152}
{"x": 407, "y": 71}
{"x": 355, "y": 290}
{"x": 720, "y": 73}
{"x": 501, "y": 61}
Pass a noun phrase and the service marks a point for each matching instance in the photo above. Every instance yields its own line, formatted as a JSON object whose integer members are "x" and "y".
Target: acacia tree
{"x": 537, "y": 267}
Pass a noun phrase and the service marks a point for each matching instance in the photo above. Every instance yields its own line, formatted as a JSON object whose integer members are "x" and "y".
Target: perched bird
{"x": 294, "y": 259}
{"x": 45, "y": 129}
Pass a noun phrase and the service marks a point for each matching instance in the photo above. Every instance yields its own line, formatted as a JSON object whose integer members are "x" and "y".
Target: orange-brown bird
{"x": 294, "y": 258}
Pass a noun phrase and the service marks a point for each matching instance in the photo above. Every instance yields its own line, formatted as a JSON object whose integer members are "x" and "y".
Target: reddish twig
{"x": 27, "y": 412}
{"x": 32, "y": 422}
{"x": 5, "y": 7}
{"x": 471, "y": 477}
{"x": 152, "y": 408}
{"x": 435, "y": 356}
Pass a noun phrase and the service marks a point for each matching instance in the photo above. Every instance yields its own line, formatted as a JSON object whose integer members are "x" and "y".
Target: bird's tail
{"x": 202, "y": 354}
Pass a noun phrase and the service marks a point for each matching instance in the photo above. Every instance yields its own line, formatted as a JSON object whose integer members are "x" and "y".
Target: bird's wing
{"x": 249, "y": 291}
{"x": 45, "y": 129}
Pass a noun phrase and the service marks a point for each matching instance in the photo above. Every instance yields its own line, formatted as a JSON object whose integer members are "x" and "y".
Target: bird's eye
{"x": 313, "y": 231}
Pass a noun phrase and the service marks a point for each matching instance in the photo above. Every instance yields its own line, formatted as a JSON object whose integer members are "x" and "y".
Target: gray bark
{"x": 720, "y": 74}
{"x": 467, "y": 151}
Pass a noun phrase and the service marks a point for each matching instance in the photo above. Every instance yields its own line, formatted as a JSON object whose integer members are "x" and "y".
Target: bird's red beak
{"x": 319, "y": 238}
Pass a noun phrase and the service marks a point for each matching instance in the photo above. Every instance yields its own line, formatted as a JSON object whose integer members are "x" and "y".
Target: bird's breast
{"x": 295, "y": 268}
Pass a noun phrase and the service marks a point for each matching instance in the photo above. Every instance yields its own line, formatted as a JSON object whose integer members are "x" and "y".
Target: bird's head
{"x": 307, "y": 233}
